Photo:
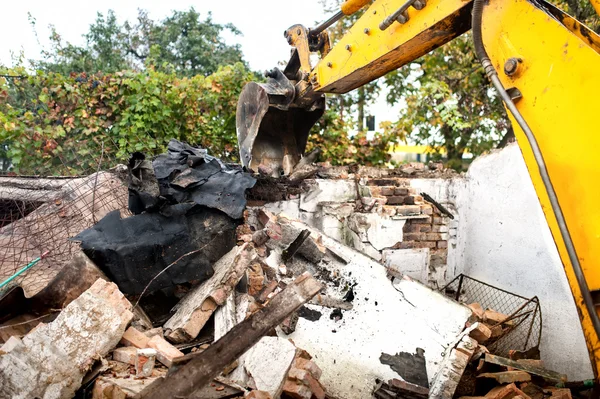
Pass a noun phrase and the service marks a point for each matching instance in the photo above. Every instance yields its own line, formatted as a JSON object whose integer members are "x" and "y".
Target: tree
{"x": 182, "y": 42}
{"x": 449, "y": 103}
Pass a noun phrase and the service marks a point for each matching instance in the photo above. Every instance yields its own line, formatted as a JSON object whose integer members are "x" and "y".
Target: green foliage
{"x": 330, "y": 135}
{"x": 449, "y": 103}
{"x": 346, "y": 113}
{"x": 183, "y": 43}
{"x": 54, "y": 124}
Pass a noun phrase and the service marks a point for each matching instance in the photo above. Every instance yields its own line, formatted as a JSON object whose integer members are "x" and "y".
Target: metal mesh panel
{"x": 524, "y": 313}
{"x": 58, "y": 199}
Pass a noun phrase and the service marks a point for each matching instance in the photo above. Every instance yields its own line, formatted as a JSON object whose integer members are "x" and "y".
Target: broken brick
{"x": 258, "y": 395}
{"x": 125, "y": 354}
{"x": 506, "y": 377}
{"x": 477, "y": 310}
{"x": 395, "y": 200}
{"x": 387, "y": 191}
{"x": 165, "y": 352}
{"x": 506, "y": 392}
{"x": 134, "y": 337}
{"x": 491, "y": 316}
{"x": 144, "y": 362}
{"x": 481, "y": 333}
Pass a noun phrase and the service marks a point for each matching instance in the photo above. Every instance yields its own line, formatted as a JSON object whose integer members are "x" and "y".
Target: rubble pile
{"x": 192, "y": 293}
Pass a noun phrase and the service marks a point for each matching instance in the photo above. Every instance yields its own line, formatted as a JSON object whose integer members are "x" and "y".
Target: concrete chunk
{"x": 51, "y": 360}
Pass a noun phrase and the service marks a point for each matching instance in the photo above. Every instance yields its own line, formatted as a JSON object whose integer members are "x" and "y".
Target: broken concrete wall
{"x": 385, "y": 218}
{"x": 504, "y": 240}
{"x": 384, "y": 321}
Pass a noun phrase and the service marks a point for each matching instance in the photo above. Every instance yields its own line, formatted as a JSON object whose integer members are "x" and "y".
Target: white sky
{"x": 262, "y": 23}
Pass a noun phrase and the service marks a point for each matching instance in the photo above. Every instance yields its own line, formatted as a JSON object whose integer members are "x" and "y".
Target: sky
{"x": 261, "y": 22}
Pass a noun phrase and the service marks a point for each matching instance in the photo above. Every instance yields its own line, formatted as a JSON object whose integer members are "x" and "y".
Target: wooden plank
{"x": 547, "y": 374}
{"x": 202, "y": 369}
{"x": 194, "y": 310}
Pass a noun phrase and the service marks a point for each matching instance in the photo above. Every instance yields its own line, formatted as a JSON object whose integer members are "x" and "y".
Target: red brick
{"x": 409, "y": 200}
{"x": 401, "y": 191}
{"x": 425, "y": 220}
{"x": 165, "y": 352}
{"x": 476, "y": 309}
{"x": 309, "y": 366}
{"x": 506, "y": 392}
{"x": 134, "y": 337}
{"x": 425, "y": 228}
{"x": 258, "y": 395}
{"x": 125, "y": 354}
{"x": 308, "y": 380}
{"x": 491, "y": 316}
{"x": 408, "y": 210}
{"x": 413, "y": 228}
{"x": 395, "y": 200}
{"x": 438, "y": 220}
{"x": 296, "y": 390}
{"x": 481, "y": 333}
{"x": 387, "y": 191}
{"x": 442, "y": 244}
{"x": 412, "y": 237}
{"x": 426, "y": 210}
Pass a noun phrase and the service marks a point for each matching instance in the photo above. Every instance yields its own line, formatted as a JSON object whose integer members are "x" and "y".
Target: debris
{"x": 165, "y": 352}
{"x": 481, "y": 333}
{"x": 493, "y": 317}
{"x": 188, "y": 174}
{"x": 133, "y": 337}
{"x": 454, "y": 364}
{"x": 506, "y": 377}
{"x": 125, "y": 354}
{"x": 411, "y": 367}
{"x": 265, "y": 366}
{"x": 152, "y": 251}
{"x": 76, "y": 211}
{"x": 547, "y": 374}
{"x": 199, "y": 371}
{"x": 506, "y": 392}
{"x": 225, "y": 317}
{"x": 192, "y": 312}
{"x": 111, "y": 387}
{"x": 477, "y": 310}
{"x": 395, "y": 388}
{"x": 51, "y": 361}
{"x": 258, "y": 395}
{"x": 303, "y": 378}
{"x": 144, "y": 362}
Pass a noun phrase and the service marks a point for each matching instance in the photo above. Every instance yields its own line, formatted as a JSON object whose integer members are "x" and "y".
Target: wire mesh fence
{"x": 523, "y": 329}
{"x": 55, "y": 201}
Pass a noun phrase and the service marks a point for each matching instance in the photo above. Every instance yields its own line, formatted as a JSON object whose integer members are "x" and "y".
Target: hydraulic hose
{"x": 539, "y": 159}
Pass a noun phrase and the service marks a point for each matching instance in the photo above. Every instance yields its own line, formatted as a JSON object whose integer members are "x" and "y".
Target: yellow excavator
{"x": 544, "y": 64}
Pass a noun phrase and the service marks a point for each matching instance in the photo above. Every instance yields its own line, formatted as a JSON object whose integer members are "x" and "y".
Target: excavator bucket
{"x": 272, "y": 128}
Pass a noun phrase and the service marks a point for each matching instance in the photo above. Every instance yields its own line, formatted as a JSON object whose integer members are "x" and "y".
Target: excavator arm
{"x": 542, "y": 62}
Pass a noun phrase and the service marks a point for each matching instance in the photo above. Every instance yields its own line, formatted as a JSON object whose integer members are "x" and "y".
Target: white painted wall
{"x": 503, "y": 239}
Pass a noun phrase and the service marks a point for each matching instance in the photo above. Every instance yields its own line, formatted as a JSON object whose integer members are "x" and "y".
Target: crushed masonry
{"x": 328, "y": 284}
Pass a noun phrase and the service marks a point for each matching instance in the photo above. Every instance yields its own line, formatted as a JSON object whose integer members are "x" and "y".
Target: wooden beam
{"x": 200, "y": 370}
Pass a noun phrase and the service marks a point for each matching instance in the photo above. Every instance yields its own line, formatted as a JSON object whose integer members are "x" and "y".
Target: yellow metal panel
{"x": 349, "y": 7}
{"x": 366, "y": 52}
{"x": 559, "y": 82}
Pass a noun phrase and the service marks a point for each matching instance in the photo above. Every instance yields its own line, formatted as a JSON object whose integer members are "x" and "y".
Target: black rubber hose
{"x": 539, "y": 159}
